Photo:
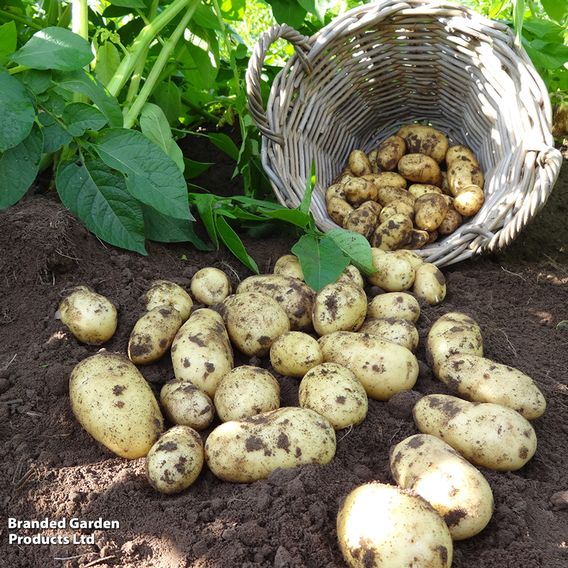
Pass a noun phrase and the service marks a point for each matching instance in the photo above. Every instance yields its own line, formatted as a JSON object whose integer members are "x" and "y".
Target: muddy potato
{"x": 186, "y": 405}
{"x": 361, "y": 220}
{"x": 413, "y": 258}
{"x": 210, "y": 286}
{"x": 418, "y": 239}
{"x": 458, "y": 491}
{"x": 482, "y": 380}
{"x": 175, "y": 460}
{"x": 90, "y": 317}
{"x": 460, "y": 153}
{"x": 387, "y": 179}
{"x": 420, "y": 168}
{"x": 451, "y": 222}
{"x": 424, "y": 140}
{"x": 382, "y": 367}
{"x": 486, "y": 434}
{"x": 394, "y": 273}
{"x": 289, "y": 265}
{"x": 335, "y": 190}
{"x": 390, "y": 194}
{"x": 359, "y": 163}
{"x": 294, "y": 353}
{"x": 113, "y": 402}
{"x": 383, "y": 526}
{"x": 397, "y": 305}
{"x": 420, "y": 189}
{"x": 201, "y": 351}
{"x": 165, "y": 293}
{"x": 463, "y": 174}
{"x": 390, "y": 152}
{"x": 396, "y": 208}
{"x": 334, "y": 392}
{"x": 430, "y": 284}
{"x": 351, "y": 275}
{"x": 429, "y": 211}
{"x": 338, "y": 210}
{"x": 247, "y": 450}
{"x": 246, "y": 391}
{"x": 359, "y": 190}
{"x": 393, "y": 233}
{"x": 372, "y": 155}
{"x": 399, "y": 331}
{"x": 469, "y": 200}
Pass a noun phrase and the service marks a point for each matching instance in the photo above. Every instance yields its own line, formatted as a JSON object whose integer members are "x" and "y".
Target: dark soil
{"x": 50, "y": 467}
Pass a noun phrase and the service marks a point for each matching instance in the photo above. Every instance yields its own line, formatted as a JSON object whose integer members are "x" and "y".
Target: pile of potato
{"x": 399, "y": 196}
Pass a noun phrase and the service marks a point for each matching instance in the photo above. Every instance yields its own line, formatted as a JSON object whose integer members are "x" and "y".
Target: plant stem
{"x": 17, "y": 69}
{"x": 80, "y": 26}
{"x": 26, "y": 21}
{"x": 205, "y": 114}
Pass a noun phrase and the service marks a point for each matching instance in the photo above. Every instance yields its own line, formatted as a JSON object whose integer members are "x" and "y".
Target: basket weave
{"x": 388, "y": 63}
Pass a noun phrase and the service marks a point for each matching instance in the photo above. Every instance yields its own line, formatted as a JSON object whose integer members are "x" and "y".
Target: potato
{"x": 418, "y": 239}
{"x": 460, "y": 153}
{"x": 165, "y": 293}
{"x": 335, "y": 190}
{"x": 397, "y": 305}
{"x": 153, "y": 334}
{"x": 382, "y": 367}
{"x": 352, "y": 275}
{"x": 420, "y": 189}
{"x": 444, "y": 185}
{"x": 210, "y": 286}
{"x": 113, "y": 402}
{"x": 393, "y": 274}
{"x": 254, "y": 321}
{"x": 430, "y": 284}
{"x": 432, "y": 236}
{"x": 90, "y": 317}
{"x": 469, "y": 200}
{"x": 388, "y": 194}
{"x": 393, "y": 234}
{"x": 251, "y": 449}
{"x": 386, "y": 179}
{"x": 424, "y": 140}
{"x": 175, "y": 460}
{"x": 382, "y": 526}
{"x": 390, "y": 152}
{"x": 361, "y": 221}
{"x": 339, "y": 307}
{"x": 334, "y": 392}
{"x": 359, "y": 190}
{"x": 430, "y": 210}
{"x": 396, "y": 208}
{"x": 482, "y": 380}
{"x": 432, "y": 469}
{"x": 186, "y": 405}
{"x": 372, "y": 155}
{"x": 420, "y": 168}
{"x": 246, "y": 391}
{"x": 486, "y": 434}
{"x": 201, "y": 351}
{"x": 451, "y": 222}
{"x": 413, "y": 258}
{"x": 462, "y": 174}
{"x": 338, "y": 210}
{"x": 399, "y": 331}
{"x": 294, "y": 353}
{"x": 289, "y": 265}
{"x": 295, "y": 297}
{"x": 359, "y": 163}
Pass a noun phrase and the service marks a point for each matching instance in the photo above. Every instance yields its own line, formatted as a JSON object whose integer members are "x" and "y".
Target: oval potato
{"x": 396, "y": 208}
{"x": 429, "y": 211}
{"x": 289, "y": 265}
{"x": 294, "y": 353}
{"x": 186, "y": 405}
{"x": 397, "y": 305}
{"x": 424, "y": 139}
{"x": 393, "y": 274}
{"x": 399, "y": 331}
{"x": 420, "y": 189}
{"x": 359, "y": 163}
{"x": 359, "y": 190}
{"x": 460, "y": 153}
{"x": 338, "y": 210}
{"x": 462, "y": 174}
{"x": 361, "y": 221}
{"x": 418, "y": 239}
{"x": 393, "y": 233}
{"x": 469, "y": 200}
{"x": 210, "y": 286}
{"x": 334, "y": 191}
{"x": 389, "y": 152}
{"x": 166, "y": 293}
{"x": 451, "y": 222}
{"x": 351, "y": 275}
{"x": 388, "y": 194}
{"x": 430, "y": 284}
{"x": 420, "y": 168}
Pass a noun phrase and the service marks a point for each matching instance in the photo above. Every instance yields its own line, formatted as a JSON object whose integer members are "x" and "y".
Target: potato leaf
{"x": 204, "y": 203}
{"x": 79, "y": 117}
{"x": 8, "y": 40}
{"x": 233, "y": 242}
{"x": 355, "y": 246}
{"x": 18, "y": 112}
{"x": 224, "y": 143}
{"x": 54, "y": 135}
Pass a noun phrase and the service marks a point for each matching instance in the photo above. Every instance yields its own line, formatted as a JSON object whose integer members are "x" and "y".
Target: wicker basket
{"x": 392, "y": 62}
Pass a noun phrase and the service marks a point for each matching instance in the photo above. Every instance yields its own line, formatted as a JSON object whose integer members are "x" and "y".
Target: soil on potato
{"x": 51, "y": 468}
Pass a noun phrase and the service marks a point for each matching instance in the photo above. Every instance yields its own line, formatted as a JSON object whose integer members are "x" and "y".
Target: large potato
{"x": 338, "y": 210}
{"x": 186, "y": 405}
{"x": 114, "y": 403}
{"x": 359, "y": 163}
{"x": 333, "y": 191}
{"x": 486, "y": 434}
{"x": 482, "y": 380}
{"x": 469, "y": 200}
{"x": 459, "y": 152}
{"x": 387, "y": 179}
{"x": 420, "y": 189}
{"x": 420, "y": 168}
{"x": 430, "y": 284}
{"x": 389, "y": 152}
{"x": 382, "y": 526}
{"x": 359, "y": 190}
{"x": 398, "y": 305}
{"x": 424, "y": 140}
{"x": 210, "y": 286}
{"x": 388, "y": 194}
{"x": 201, "y": 351}
{"x": 396, "y": 208}
{"x": 382, "y": 367}
{"x": 352, "y": 275}
{"x": 399, "y": 331}
{"x": 166, "y": 293}
{"x": 463, "y": 174}
{"x": 289, "y": 265}
{"x": 294, "y": 353}
{"x": 430, "y": 210}
{"x": 362, "y": 221}
{"x": 458, "y": 491}
{"x": 393, "y": 274}
{"x": 410, "y": 256}
{"x": 393, "y": 233}
{"x": 251, "y": 449}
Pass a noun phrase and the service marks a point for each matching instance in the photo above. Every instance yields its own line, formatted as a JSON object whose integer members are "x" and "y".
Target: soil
{"x": 51, "y": 468}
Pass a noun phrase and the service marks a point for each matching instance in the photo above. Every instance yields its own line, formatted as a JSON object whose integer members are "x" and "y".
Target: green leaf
{"x": 128, "y": 3}
{"x": 322, "y": 261}
{"x": 54, "y": 135}
{"x": 233, "y": 242}
{"x": 288, "y": 12}
{"x": 355, "y": 246}
{"x": 151, "y": 175}
{"x": 544, "y": 29}
{"x": 108, "y": 60}
{"x": 79, "y": 117}
{"x": 97, "y": 195}
{"x": 19, "y": 167}
{"x": 205, "y": 17}
{"x": 556, "y": 9}
{"x": 168, "y": 98}
{"x": 8, "y": 40}
{"x": 233, "y": 9}
{"x": 518, "y": 16}
{"x": 18, "y": 112}
{"x": 224, "y": 143}
{"x": 36, "y": 81}
{"x": 204, "y": 203}
{"x": 54, "y": 48}
{"x": 292, "y": 216}
{"x": 194, "y": 169}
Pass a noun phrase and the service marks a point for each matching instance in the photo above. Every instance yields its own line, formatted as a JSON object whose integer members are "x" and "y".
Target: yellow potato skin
{"x": 396, "y": 208}
{"x": 359, "y": 163}
{"x": 186, "y": 405}
{"x": 389, "y": 152}
{"x": 469, "y": 200}
{"x": 460, "y": 153}
{"x": 419, "y": 168}
{"x": 399, "y": 331}
{"x": 393, "y": 274}
{"x": 423, "y": 139}
{"x": 359, "y": 190}
{"x": 210, "y": 286}
{"x": 451, "y": 222}
{"x": 289, "y": 265}
{"x": 361, "y": 221}
{"x": 393, "y": 233}
{"x": 430, "y": 210}
{"x": 397, "y": 305}
{"x": 338, "y": 210}
{"x": 430, "y": 284}
{"x": 166, "y": 293}
{"x": 294, "y": 353}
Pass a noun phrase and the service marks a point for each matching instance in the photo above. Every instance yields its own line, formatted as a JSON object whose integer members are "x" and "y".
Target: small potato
{"x": 430, "y": 284}
{"x": 362, "y": 221}
{"x": 486, "y": 434}
{"x": 372, "y": 206}
{"x": 335, "y": 190}
{"x": 334, "y": 392}
{"x": 210, "y": 286}
{"x": 425, "y": 140}
{"x": 289, "y": 265}
{"x": 294, "y": 353}
{"x": 251, "y": 449}
{"x": 382, "y": 526}
{"x": 432, "y": 469}
{"x": 359, "y": 163}
{"x": 420, "y": 168}
{"x": 390, "y": 152}
{"x": 420, "y": 189}
{"x": 410, "y": 256}
{"x": 175, "y": 460}
{"x": 359, "y": 190}
{"x": 186, "y": 405}
{"x": 390, "y": 194}
{"x": 469, "y": 200}
{"x": 396, "y": 208}
{"x": 393, "y": 234}
{"x": 394, "y": 274}
{"x": 351, "y": 275}
{"x": 90, "y": 317}
{"x": 372, "y": 155}
{"x": 482, "y": 380}
{"x": 165, "y": 293}
{"x": 451, "y": 222}
{"x": 153, "y": 334}
{"x": 418, "y": 239}
{"x": 338, "y": 210}
{"x": 339, "y": 307}
{"x": 462, "y": 174}
{"x": 460, "y": 153}
{"x": 430, "y": 210}
{"x": 397, "y": 305}
{"x": 402, "y": 332}
{"x": 246, "y": 391}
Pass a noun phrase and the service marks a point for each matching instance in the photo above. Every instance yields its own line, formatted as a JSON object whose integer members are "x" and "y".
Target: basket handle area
{"x": 254, "y": 70}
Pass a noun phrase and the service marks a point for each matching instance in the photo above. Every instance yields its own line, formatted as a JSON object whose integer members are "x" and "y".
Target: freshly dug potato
{"x": 424, "y": 140}
{"x": 246, "y": 391}
{"x": 362, "y": 220}
{"x": 338, "y": 210}
{"x": 254, "y": 321}
{"x": 294, "y": 353}
{"x": 113, "y": 402}
{"x": 335, "y": 190}
{"x": 390, "y": 152}
{"x": 430, "y": 284}
{"x": 175, "y": 460}
{"x": 469, "y": 200}
{"x": 382, "y": 367}
{"x": 393, "y": 274}
{"x": 486, "y": 434}
{"x": 153, "y": 334}
{"x": 396, "y": 208}
{"x": 460, "y": 153}
{"x": 340, "y": 306}
{"x": 352, "y": 275}
{"x": 462, "y": 174}
{"x": 420, "y": 168}
{"x": 372, "y": 155}
{"x": 482, "y": 380}
{"x": 210, "y": 286}
{"x": 433, "y": 235}
{"x": 382, "y": 526}
{"x": 165, "y": 293}
{"x": 418, "y": 239}
{"x": 201, "y": 351}
{"x": 430, "y": 210}
{"x": 388, "y": 194}
{"x": 410, "y": 256}
{"x": 387, "y": 179}
{"x": 359, "y": 190}
{"x": 397, "y": 305}
{"x": 393, "y": 234}
{"x": 334, "y": 392}
{"x": 289, "y": 265}
{"x": 399, "y": 331}
{"x": 458, "y": 491}
{"x": 451, "y": 222}
{"x": 251, "y": 449}
{"x": 186, "y": 405}
{"x": 90, "y": 317}
{"x": 359, "y": 163}
{"x": 295, "y": 297}
{"x": 420, "y": 189}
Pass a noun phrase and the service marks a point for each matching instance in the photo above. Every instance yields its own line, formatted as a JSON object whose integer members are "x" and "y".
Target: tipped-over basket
{"x": 389, "y": 63}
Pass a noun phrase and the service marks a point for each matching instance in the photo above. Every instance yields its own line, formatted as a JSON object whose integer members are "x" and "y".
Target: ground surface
{"x": 49, "y": 466}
